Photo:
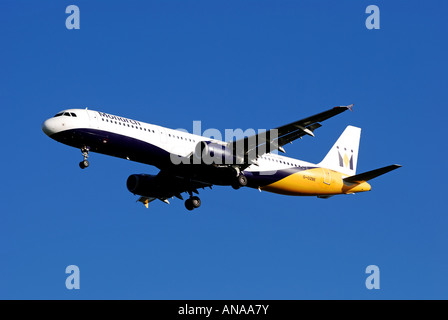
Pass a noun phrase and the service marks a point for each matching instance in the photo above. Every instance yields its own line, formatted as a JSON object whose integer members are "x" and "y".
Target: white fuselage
{"x": 172, "y": 141}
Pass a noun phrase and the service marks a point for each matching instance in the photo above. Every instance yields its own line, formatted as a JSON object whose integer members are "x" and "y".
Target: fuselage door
{"x": 93, "y": 119}
{"x": 327, "y": 176}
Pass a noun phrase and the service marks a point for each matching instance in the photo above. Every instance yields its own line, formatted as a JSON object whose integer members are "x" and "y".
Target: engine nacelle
{"x": 208, "y": 152}
{"x": 144, "y": 185}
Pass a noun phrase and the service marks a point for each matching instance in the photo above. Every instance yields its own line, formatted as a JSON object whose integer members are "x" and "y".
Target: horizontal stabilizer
{"x": 366, "y": 176}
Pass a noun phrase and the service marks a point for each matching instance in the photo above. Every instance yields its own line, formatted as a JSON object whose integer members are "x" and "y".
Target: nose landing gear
{"x": 85, "y": 163}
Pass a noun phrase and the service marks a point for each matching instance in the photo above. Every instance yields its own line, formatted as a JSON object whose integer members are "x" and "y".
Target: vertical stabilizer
{"x": 343, "y": 156}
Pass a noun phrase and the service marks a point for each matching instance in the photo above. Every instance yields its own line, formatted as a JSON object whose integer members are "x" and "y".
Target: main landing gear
{"x": 85, "y": 163}
{"x": 239, "y": 181}
{"x": 192, "y": 203}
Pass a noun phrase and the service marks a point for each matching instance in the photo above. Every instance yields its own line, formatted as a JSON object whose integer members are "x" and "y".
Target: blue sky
{"x": 230, "y": 64}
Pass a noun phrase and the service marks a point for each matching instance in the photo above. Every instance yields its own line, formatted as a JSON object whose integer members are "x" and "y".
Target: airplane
{"x": 189, "y": 162}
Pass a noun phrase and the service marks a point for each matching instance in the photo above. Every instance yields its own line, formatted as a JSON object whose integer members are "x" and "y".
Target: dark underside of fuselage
{"x": 113, "y": 144}
{"x": 125, "y": 147}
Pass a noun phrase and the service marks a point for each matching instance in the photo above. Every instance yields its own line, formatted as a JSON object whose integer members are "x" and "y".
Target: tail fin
{"x": 343, "y": 156}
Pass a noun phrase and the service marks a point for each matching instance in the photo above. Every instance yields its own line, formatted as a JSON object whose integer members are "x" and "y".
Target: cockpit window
{"x": 66, "y": 114}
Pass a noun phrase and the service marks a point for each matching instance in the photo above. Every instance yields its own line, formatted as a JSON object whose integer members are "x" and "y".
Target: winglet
{"x": 350, "y": 107}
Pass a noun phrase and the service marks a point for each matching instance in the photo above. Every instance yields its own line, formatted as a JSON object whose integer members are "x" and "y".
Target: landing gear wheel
{"x": 85, "y": 153}
{"x": 195, "y": 201}
{"x": 84, "y": 164}
{"x": 242, "y": 180}
{"x": 189, "y": 205}
{"x": 236, "y": 185}
{"x": 192, "y": 203}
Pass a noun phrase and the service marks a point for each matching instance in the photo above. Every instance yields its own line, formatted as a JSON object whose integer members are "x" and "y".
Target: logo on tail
{"x": 343, "y": 156}
{"x": 345, "y": 162}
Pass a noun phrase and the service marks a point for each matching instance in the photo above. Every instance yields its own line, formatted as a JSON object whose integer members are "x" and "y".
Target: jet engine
{"x": 145, "y": 185}
{"x": 208, "y": 152}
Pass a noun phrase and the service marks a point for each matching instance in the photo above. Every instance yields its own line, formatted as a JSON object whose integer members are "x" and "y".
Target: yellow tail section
{"x": 316, "y": 182}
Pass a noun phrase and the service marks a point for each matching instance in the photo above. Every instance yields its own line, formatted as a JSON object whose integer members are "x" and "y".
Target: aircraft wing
{"x": 250, "y": 148}
{"x": 173, "y": 186}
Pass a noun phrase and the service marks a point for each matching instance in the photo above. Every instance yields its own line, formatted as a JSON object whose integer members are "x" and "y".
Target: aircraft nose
{"x": 49, "y": 127}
